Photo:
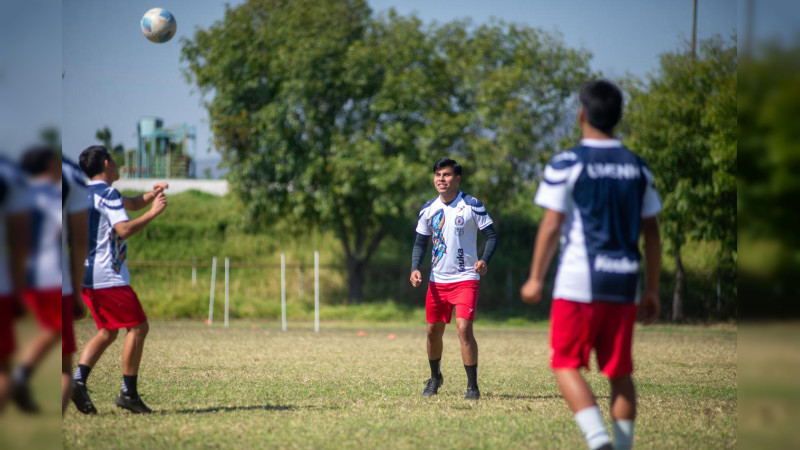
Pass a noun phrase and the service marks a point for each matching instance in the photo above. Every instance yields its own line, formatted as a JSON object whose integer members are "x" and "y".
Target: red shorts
{"x": 67, "y": 329}
{"x": 6, "y": 327}
{"x": 114, "y": 308}
{"x": 46, "y": 307}
{"x": 577, "y": 328}
{"x": 442, "y": 297}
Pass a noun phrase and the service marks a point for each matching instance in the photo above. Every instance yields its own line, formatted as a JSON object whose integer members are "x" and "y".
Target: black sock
{"x": 435, "y": 371}
{"x": 82, "y": 373}
{"x": 22, "y": 374}
{"x": 129, "y": 385}
{"x": 472, "y": 376}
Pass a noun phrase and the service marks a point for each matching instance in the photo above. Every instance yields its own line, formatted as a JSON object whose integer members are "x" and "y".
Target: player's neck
{"x": 102, "y": 177}
{"x": 590, "y": 132}
{"x": 448, "y": 197}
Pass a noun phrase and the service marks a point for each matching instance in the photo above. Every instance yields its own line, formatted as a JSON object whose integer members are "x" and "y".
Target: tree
{"x": 329, "y": 116}
{"x": 117, "y": 151}
{"x": 683, "y": 122}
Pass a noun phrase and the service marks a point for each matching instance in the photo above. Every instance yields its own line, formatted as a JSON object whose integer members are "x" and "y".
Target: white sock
{"x": 623, "y": 434}
{"x": 594, "y": 430}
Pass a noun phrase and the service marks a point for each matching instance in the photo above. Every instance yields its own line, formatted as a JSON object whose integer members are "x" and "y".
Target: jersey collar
{"x": 601, "y": 143}
{"x": 95, "y": 182}
{"x": 451, "y": 202}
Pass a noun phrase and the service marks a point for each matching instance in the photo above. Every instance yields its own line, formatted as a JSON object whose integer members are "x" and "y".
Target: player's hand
{"x": 416, "y": 278}
{"x": 649, "y": 307}
{"x": 159, "y": 204}
{"x": 531, "y": 291}
{"x": 160, "y": 187}
{"x": 480, "y": 267}
{"x": 78, "y": 306}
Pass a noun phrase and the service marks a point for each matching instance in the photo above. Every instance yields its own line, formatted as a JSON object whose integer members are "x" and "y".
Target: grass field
{"x": 257, "y": 387}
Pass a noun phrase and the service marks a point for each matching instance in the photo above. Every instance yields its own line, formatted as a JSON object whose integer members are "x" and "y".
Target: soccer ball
{"x": 158, "y": 25}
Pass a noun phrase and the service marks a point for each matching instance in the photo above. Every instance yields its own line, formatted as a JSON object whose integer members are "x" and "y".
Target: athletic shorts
{"x": 46, "y": 307}
{"x": 67, "y": 330}
{"x": 577, "y": 328}
{"x": 443, "y": 297}
{"x": 114, "y": 308}
{"x": 6, "y": 327}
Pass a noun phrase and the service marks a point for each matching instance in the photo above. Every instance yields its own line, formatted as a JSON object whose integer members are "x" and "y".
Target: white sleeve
{"x": 111, "y": 207}
{"x": 480, "y": 215}
{"x": 555, "y": 190}
{"x": 422, "y": 224}
{"x": 651, "y": 204}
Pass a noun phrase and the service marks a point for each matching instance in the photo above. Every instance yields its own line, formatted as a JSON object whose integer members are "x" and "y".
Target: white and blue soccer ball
{"x": 158, "y": 25}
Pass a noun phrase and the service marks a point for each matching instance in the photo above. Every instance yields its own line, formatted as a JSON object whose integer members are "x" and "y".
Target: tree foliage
{"x": 683, "y": 121}
{"x": 328, "y": 115}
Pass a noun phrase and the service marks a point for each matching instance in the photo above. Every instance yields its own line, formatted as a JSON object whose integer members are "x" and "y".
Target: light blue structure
{"x": 155, "y": 158}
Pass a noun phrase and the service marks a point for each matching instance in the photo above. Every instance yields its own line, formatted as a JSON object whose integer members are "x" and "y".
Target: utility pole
{"x": 694, "y": 31}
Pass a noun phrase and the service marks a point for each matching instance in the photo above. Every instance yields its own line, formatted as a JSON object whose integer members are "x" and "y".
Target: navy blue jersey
{"x": 604, "y": 190}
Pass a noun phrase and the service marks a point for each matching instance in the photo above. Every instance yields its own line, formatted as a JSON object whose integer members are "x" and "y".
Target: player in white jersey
{"x": 74, "y": 248}
{"x": 14, "y": 221}
{"x": 107, "y": 290}
{"x": 43, "y": 285}
{"x": 599, "y": 197}
{"x": 452, "y": 220}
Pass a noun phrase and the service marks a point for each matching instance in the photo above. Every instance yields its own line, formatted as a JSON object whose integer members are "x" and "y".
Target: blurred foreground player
{"x": 107, "y": 290}
{"x": 599, "y": 197}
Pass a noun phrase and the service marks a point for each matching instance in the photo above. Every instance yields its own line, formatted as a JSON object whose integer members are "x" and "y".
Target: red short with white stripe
{"x": 577, "y": 328}
{"x": 443, "y": 297}
{"x": 7, "y": 343}
{"x": 46, "y": 307}
{"x": 114, "y": 308}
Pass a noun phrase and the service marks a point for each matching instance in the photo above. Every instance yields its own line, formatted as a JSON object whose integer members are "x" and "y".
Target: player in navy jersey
{"x": 74, "y": 248}
{"x": 107, "y": 290}
{"x": 598, "y": 197}
{"x": 14, "y": 226}
{"x": 452, "y": 220}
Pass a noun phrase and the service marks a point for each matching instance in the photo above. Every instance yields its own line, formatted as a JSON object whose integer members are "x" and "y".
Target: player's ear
{"x": 581, "y": 115}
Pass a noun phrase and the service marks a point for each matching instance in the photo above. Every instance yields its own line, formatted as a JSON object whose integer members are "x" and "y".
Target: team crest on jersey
{"x": 459, "y": 225}
{"x": 436, "y": 223}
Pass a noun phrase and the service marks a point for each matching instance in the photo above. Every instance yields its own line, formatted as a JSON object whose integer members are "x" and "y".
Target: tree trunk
{"x": 677, "y": 293}
{"x": 356, "y": 271}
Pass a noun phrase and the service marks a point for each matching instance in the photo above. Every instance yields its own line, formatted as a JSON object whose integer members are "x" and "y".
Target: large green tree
{"x": 682, "y": 120}
{"x": 330, "y": 116}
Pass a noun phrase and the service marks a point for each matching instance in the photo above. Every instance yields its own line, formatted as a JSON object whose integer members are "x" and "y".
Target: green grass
{"x": 253, "y": 386}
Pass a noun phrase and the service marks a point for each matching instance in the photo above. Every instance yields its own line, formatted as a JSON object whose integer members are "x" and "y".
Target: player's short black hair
{"x": 92, "y": 160}
{"x": 36, "y": 160}
{"x": 447, "y": 162}
{"x": 602, "y": 104}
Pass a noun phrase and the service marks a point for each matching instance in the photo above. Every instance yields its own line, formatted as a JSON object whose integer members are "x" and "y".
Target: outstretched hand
{"x": 160, "y": 187}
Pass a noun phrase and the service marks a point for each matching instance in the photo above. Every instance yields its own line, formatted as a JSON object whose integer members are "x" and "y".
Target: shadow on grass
{"x": 538, "y": 397}
{"x": 216, "y": 409}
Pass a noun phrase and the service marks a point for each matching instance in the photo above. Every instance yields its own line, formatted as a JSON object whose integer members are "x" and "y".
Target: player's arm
{"x": 482, "y": 265}
{"x": 650, "y": 305}
{"x": 141, "y": 201}
{"x": 18, "y": 225}
{"x": 128, "y": 228}
{"x": 79, "y": 248}
{"x": 420, "y": 246}
{"x": 543, "y": 251}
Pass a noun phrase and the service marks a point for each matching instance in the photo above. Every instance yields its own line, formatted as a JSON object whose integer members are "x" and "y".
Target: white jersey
{"x": 44, "y": 262}
{"x": 106, "y": 265}
{"x": 604, "y": 190}
{"x": 454, "y": 229}
{"x": 13, "y": 200}
{"x": 75, "y": 198}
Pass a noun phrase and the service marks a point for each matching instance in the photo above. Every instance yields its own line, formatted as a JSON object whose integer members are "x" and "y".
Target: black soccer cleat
{"x": 80, "y": 397}
{"x": 432, "y": 386}
{"x": 21, "y": 394}
{"x": 473, "y": 394}
{"x": 132, "y": 404}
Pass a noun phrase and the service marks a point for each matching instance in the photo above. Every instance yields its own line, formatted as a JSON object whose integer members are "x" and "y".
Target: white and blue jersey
{"x": 454, "y": 229}
{"x": 44, "y": 263}
{"x": 13, "y": 200}
{"x": 106, "y": 265}
{"x": 605, "y": 191}
{"x": 74, "y": 198}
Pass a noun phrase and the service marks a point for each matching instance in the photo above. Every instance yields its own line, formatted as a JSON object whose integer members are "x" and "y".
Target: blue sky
{"x": 113, "y": 76}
